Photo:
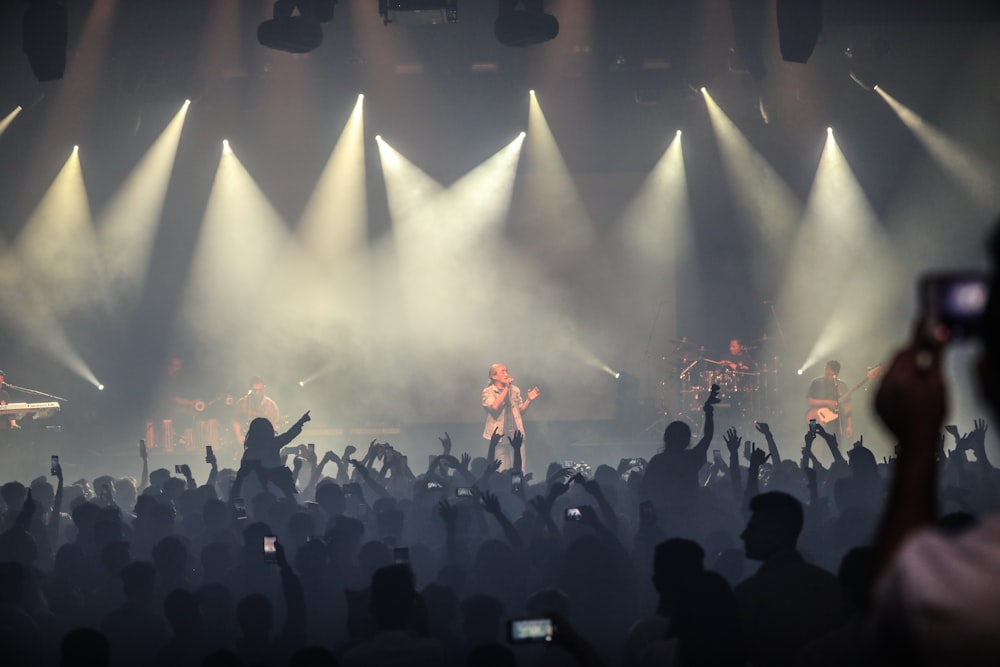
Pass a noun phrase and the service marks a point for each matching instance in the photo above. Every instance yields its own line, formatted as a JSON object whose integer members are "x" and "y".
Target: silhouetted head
{"x": 774, "y": 526}
{"x": 254, "y": 615}
{"x": 181, "y": 610}
{"x": 261, "y": 428}
{"x": 675, "y": 562}
{"x": 492, "y": 654}
{"x": 138, "y": 580}
{"x": 481, "y": 617}
{"x": 677, "y": 436}
{"x": 392, "y": 597}
{"x": 84, "y": 647}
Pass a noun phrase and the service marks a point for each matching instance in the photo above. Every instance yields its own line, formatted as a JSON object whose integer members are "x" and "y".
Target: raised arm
{"x": 772, "y": 447}
{"x": 144, "y": 478}
{"x": 912, "y": 402}
{"x": 709, "y": 431}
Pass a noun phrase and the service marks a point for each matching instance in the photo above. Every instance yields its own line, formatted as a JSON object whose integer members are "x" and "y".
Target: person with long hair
{"x": 262, "y": 454}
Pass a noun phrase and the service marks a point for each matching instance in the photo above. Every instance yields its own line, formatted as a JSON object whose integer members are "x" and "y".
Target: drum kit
{"x": 745, "y": 385}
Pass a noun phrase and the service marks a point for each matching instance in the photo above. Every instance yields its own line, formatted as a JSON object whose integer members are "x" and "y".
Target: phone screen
{"x": 54, "y": 464}
{"x": 515, "y": 482}
{"x": 270, "y": 552}
{"x": 529, "y": 630}
{"x": 573, "y": 514}
{"x": 401, "y": 556}
{"x": 953, "y": 304}
{"x": 464, "y": 492}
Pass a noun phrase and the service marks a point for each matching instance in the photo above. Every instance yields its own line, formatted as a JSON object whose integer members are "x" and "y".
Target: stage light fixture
{"x": 799, "y": 25}
{"x": 418, "y": 12}
{"x": 44, "y": 32}
{"x": 524, "y": 26}
{"x": 296, "y": 25}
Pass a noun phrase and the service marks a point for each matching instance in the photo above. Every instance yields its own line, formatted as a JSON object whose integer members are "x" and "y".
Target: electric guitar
{"x": 825, "y": 415}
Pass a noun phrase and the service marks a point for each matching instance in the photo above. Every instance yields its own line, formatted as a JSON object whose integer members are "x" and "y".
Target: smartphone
{"x": 434, "y": 485}
{"x": 401, "y": 556}
{"x": 177, "y": 469}
{"x": 464, "y": 492}
{"x": 717, "y": 454}
{"x": 270, "y": 552}
{"x": 812, "y": 425}
{"x": 574, "y": 514}
{"x": 953, "y": 304}
{"x": 529, "y": 630}
{"x": 240, "y": 507}
{"x": 53, "y": 464}
{"x": 208, "y": 451}
{"x": 569, "y": 464}
{"x": 516, "y": 480}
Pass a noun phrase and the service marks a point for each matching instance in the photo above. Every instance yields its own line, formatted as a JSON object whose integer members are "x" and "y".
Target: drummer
{"x": 738, "y": 358}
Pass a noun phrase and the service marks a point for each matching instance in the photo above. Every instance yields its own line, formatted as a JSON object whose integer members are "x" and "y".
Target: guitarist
{"x": 828, "y": 391}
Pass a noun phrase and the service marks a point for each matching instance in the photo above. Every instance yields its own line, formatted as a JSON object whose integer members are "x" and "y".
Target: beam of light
{"x": 334, "y": 222}
{"x": 970, "y": 172}
{"x": 438, "y": 233}
{"x": 764, "y": 198}
{"x": 457, "y": 217}
{"x": 127, "y": 226}
{"x": 57, "y": 246}
{"x": 235, "y": 258}
{"x": 408, "y": 188}
{"x": 8, "y": 119}
{"x": 842, "y": 275}
{"x": 51, "y": 269}
{"x": 658, "y": 249}
{"x": 550, "y": 206}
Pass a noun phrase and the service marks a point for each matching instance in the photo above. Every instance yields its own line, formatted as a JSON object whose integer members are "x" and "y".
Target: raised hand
{"x": 490, "y": 503}
{"x": 732, "y": 441}
{"x": 517, "y": 440}
{"x": 448, "y": 513}
{"x": 763, "y": 427}
{"x": 757, "y": 456}
{"x": 445, "y": 443}
{"x": 464, "y": 462}
{"x": 143, "y": 452}
{"x": 304, "y": 418}
{"x": 979, "y": 431}
{"x": 186, "y": 470}
{"x": 495, "y": 438}
{"x": 350, "y": 449}
{"x": 713, "y": 398}
{"x": 533, "y": 393}
{"x": 953, "y": 430}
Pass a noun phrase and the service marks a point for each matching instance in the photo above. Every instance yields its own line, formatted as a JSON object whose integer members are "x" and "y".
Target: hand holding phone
{"x": 530, "y": 630}
{"x": 952, "y": 305}
{"x": 54, "y": 465}
{"x": 270, "y": 549}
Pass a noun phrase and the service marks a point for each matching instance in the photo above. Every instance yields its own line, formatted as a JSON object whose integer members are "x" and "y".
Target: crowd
{"x": 751, "y": 559}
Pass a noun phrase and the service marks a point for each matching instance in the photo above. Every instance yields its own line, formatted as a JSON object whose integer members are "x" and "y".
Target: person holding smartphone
{"x": 932, "y": 593}
{"x": 505, "y": 405}
{"x": 262, "y": 454}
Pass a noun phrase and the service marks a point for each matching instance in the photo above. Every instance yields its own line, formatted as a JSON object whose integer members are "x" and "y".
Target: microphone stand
{"x": 35, "y": 392}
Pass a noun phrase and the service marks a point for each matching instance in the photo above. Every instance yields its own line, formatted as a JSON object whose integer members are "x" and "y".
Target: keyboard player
{"x": 4, "y": 400}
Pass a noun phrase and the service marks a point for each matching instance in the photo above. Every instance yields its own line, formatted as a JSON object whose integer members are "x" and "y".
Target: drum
{"x": 746, "y": 382}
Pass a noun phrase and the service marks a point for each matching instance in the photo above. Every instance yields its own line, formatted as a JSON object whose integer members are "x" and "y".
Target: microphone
{"x": 250, "y": 393}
